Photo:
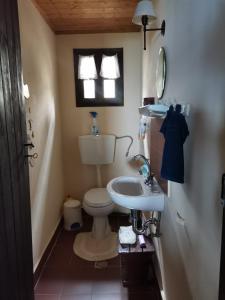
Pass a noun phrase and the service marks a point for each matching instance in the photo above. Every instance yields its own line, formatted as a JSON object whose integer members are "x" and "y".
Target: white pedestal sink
{"x": 131, "y": 192}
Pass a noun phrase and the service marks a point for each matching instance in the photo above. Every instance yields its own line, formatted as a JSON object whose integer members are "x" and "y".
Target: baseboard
{"x": 39, "y": 266}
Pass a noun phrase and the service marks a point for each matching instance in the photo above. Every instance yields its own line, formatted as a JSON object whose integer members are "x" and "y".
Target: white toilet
{"x": 101, "y": 242}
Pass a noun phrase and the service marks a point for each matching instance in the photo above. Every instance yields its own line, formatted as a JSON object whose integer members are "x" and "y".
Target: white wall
{"x": 117, "y": 120}
{"x": 195, "y": 48}
{"x": 46, "y": 178}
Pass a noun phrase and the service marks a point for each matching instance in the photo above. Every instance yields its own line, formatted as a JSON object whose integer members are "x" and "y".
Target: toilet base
{"x": 91, "y": 249}
{"x": 100, "y": 228}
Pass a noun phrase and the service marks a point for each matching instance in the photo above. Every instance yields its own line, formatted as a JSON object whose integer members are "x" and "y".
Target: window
{"x": 109, "y": 88}
{"x": 99, "y": 77}
{"x": 89, "y": 89}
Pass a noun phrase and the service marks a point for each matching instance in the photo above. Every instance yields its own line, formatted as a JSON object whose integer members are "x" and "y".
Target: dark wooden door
{"x": 16, "y": 266}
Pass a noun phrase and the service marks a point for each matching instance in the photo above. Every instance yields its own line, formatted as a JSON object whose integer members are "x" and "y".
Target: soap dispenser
{"x": 94, "y": 127}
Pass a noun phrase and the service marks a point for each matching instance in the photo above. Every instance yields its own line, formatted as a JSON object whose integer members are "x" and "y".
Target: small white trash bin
{"x": 72, "y": 214}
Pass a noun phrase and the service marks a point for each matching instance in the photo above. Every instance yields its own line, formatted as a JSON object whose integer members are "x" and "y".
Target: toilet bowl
{"x": 98, "y": 204}
{"x": 101, "y": 243}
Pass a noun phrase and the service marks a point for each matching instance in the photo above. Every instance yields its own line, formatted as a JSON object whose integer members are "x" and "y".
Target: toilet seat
{"x": 97, "y": 197}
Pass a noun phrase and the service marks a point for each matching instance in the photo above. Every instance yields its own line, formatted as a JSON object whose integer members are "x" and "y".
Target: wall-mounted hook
{"x": 33, "y": 156}
{"x": 30, "y": 124}
{"x": 30, "y": 145}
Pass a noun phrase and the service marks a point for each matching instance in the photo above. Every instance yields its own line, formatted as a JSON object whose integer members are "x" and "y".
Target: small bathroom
{"x": 125, "y": 129}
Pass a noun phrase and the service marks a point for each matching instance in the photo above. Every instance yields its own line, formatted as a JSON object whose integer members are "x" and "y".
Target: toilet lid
{"x": 98, "y": 197}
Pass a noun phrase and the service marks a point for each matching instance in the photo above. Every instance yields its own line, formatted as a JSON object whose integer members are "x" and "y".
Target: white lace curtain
{"x": 109, "y": 67}
{"x": 87, "y": 68}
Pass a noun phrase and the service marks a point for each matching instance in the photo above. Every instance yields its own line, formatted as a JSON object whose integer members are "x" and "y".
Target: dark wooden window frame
{"x": 119, "y": 83}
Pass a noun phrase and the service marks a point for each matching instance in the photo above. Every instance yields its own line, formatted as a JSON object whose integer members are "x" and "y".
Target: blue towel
{"x": 175, "y": 131}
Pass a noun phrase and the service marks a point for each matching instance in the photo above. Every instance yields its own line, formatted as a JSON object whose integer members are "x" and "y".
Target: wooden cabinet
{"x": 136, "y": 264}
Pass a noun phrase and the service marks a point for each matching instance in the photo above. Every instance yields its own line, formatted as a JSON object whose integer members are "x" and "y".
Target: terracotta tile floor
{"x": 68, "y": 277}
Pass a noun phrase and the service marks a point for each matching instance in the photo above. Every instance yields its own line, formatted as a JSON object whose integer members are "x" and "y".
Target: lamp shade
{"x": 144, "y": 8}
{"x": 87, "y": 67}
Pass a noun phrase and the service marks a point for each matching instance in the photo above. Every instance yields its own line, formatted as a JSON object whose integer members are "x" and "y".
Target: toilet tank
{"x": 97, "y": 150}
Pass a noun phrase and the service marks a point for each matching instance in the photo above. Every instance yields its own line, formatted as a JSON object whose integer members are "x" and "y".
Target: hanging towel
{"x": 143, "y": 127}
{"x": 126, "y": 235}
{"x": 175, "y": 131}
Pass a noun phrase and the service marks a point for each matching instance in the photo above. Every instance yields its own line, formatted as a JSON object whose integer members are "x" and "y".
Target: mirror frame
{"x": 161, "y": 73}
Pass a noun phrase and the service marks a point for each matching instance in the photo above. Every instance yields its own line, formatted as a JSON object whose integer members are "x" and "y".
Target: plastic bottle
{"x": 94, "y": 127}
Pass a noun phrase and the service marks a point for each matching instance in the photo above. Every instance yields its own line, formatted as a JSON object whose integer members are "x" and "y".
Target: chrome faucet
{"x": 149, "y": 177}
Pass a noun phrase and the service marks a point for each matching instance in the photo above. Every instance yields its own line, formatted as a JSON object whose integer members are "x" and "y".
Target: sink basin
{"x": 131, "y": 192}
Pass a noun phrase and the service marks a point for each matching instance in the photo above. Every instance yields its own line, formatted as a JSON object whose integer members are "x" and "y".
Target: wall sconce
{"x": 144, "y": 15}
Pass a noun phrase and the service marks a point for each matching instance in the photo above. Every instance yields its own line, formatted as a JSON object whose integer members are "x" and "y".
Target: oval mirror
{"x": 161, "y": 73}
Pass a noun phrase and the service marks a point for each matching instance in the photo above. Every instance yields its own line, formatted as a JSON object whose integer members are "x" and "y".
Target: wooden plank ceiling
{"x": 88, "y": 16}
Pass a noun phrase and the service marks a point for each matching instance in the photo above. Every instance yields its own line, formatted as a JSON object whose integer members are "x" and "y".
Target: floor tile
{"x": 60, "y": 257}
{"x": 66, "y": 238}
{"x": 107, "y": 282}
{"x": 51, "y": 282}
{"x": 144, "y": 292}
{"x": 114, "y": 262}
{"x": 87, "y": 223}
{"x": 142, "y": 296}
{"x": 87, "y": 226}
{"x": 76, "y": 297}
{"x": 110, "y": 297}
{"x": 78, "y": 263}
{"x": 46, "y": 297}
{"x": 77, "y": 283}
{"x": 106, "y": 287}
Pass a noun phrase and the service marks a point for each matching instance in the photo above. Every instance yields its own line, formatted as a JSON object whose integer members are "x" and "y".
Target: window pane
{"x": 89, "y": 89}
{"x": 109, "y": 89}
